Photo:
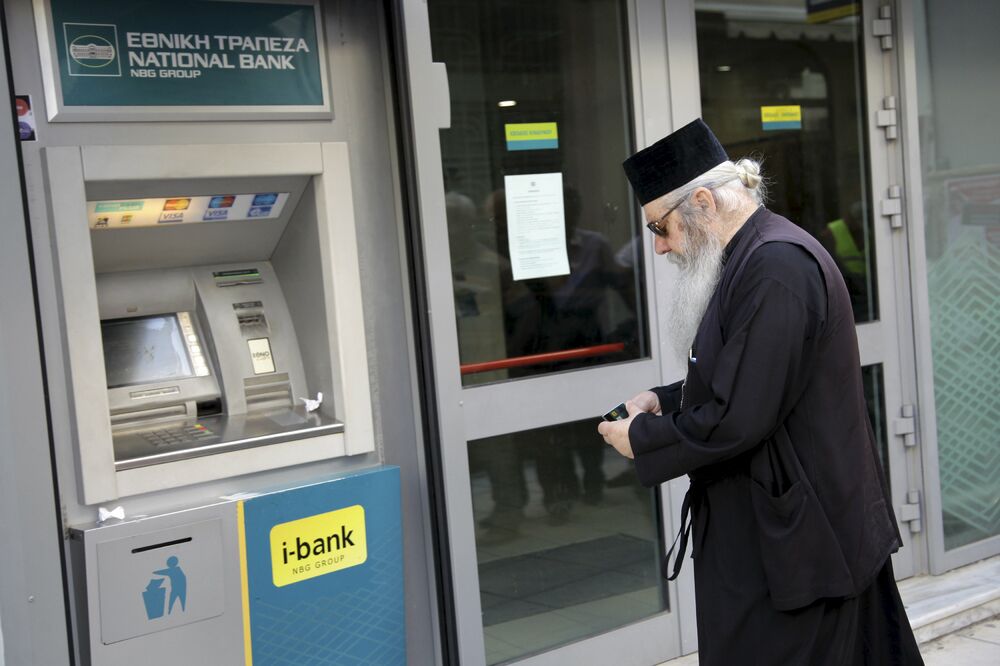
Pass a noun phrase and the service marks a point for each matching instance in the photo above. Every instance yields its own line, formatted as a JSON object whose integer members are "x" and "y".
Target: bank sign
{"x": 322, "y": 569}
{"x": 191, "y": 53}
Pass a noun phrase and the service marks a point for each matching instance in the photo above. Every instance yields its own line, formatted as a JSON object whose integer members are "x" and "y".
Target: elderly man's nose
{"x": 661, "y": 246}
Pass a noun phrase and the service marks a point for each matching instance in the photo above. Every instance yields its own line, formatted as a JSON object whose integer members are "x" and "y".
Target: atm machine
{"x": 213, "y": 329}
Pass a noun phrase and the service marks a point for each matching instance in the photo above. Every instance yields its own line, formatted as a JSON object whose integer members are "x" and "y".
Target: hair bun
{"x": 749, "y": 173}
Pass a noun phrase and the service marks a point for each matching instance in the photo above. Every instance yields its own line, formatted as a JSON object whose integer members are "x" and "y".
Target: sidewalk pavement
{"x": 978, "y": 645}
{"x": 955, "y": 616}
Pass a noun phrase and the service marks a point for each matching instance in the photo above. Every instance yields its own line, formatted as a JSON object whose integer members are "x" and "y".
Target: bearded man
{"x": 788, "y": 506}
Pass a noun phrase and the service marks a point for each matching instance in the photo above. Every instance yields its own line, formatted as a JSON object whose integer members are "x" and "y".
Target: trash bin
{"x": 154, "y": 597}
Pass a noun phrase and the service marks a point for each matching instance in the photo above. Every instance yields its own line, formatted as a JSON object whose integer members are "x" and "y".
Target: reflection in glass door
{"x": 752, "y": 69}
{"x": 546, "y": 278}
{"x": 540, "y": 223}
{"x": 567, "y": 539}
{"x": 539, "y": 316}
{"x": 794, "y": 89}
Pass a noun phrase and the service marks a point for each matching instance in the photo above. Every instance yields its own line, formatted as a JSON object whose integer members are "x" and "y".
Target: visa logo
{"x": 172, "y": 216}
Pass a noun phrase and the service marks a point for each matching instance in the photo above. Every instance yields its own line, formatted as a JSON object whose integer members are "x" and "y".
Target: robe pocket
{"x": 799, "y": 551}
{"x": 783, "y": 509}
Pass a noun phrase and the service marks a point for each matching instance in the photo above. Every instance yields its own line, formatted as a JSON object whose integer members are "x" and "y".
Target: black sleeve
{"x": 669, "y": 396}
{"x": 770, "y": 329}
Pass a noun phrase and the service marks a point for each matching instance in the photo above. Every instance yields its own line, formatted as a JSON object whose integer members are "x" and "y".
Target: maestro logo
{"x": 92, "y": 49}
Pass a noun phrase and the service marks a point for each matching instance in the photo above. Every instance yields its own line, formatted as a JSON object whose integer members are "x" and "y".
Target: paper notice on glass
{"x": 536, "y": 225}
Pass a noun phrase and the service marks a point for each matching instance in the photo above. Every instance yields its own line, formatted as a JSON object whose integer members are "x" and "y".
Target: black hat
{"x": 674, "y": 160}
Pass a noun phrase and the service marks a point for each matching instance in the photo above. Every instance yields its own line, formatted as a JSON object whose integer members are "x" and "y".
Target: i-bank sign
{"x": 188, "y": 53}
{"x": 323, "y": 572}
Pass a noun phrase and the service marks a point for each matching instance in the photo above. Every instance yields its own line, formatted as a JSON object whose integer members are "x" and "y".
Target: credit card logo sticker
{"x": 260, "y": 211}
{"x": 222, "y": 201}
{"x": 118, "y": 206}
{"x": 176, "y": 204}
{"x": 216, "y": 214}
{"x": 265, "y": 199}
{"x": 171, "y": 216}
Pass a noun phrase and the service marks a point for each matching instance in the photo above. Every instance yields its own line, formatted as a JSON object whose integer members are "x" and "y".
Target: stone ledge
{"x": 940, "y": 605}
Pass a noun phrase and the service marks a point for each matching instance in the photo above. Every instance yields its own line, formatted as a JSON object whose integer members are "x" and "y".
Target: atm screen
{"x": 144, "y": 350}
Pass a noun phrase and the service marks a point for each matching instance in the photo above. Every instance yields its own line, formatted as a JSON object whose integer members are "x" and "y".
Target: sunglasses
{"x": 655, "y": 226}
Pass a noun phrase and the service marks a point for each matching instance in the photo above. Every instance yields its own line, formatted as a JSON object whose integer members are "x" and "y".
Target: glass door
{"x": 539, "y": 308}
{"x": 806, "y": 93}
{"x": 955, "y": 250}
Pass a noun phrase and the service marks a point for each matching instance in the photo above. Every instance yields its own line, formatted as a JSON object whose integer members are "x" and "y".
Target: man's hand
{"x": 615, "y": 433}
{"x": 647, "y": 401}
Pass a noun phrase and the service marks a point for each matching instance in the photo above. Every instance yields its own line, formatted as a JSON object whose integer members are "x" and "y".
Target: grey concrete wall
{"x": 31, "y": 590}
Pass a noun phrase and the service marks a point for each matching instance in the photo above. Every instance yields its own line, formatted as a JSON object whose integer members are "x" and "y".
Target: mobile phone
{"x": 617, "y": 413}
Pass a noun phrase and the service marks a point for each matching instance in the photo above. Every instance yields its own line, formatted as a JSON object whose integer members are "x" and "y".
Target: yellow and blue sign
{"x": 781, "y": 117}
{"x": 322, "y": 572}
{"x": 318, "y": 545}
{"x": 823, "y": 11}
{"x": 188, "y": 53}
{"x": 532, "y": 136}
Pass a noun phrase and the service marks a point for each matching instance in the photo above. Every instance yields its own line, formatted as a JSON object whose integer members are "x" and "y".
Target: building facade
{"x": 500, "y": 288}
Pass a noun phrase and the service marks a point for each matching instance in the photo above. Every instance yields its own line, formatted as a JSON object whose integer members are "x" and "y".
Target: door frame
{"x": 888, "y": 340}
{"x": 460, "y": 411}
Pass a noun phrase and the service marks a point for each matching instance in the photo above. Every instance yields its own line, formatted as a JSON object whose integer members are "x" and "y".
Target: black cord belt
{"x": 692, "y": 498}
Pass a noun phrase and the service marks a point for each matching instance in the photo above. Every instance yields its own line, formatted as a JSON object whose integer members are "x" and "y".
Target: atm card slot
{"x": 237, "y": 277}
{"x": 252, "y": 324}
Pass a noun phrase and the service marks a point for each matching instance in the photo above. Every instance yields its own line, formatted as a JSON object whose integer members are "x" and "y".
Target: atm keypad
{"x": 195, "y": 434}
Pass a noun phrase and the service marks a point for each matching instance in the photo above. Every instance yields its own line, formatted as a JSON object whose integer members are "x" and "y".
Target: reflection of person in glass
{"x": 791, "y": 519}
{"x": 489, "y": 302}
{"x": 581, "y": 309}
{"x": 844, "y": 238}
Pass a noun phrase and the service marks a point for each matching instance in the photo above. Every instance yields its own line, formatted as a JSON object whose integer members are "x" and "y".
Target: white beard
{"x": 700, "y": 270}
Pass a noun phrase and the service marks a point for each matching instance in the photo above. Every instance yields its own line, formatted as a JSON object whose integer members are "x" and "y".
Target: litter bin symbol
{"x": 154, "y": 597}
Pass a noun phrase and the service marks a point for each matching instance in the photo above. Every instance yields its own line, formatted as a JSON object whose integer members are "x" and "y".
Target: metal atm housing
{"x": 209, "y": 294}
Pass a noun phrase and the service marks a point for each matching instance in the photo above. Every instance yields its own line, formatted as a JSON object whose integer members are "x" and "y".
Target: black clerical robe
{"x": 792, "y": 522}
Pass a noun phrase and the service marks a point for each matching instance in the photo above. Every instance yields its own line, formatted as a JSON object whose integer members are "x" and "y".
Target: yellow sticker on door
{"x": 318, "y": 545}
{"x": 781, "y": 117}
